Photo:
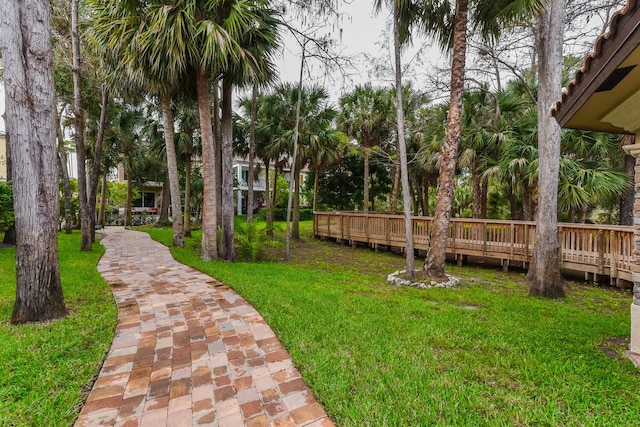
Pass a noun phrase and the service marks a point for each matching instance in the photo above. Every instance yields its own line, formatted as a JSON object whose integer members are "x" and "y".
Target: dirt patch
{"x": 615, "y": 347}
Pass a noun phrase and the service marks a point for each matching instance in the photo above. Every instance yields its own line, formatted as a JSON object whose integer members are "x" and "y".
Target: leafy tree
{"x": 365, "y": 115}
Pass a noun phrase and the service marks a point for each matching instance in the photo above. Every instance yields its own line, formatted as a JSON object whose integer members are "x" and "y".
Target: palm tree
{"x": 365, "y": 116}
{"x": 145, "y": 42}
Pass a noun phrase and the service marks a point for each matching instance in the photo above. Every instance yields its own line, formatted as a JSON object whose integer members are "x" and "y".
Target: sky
{"x": 362, "y": 32}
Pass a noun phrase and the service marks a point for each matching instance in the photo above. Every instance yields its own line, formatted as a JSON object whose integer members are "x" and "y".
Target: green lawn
{"x": 45, "y": 369}
{"x": 485, "y": 354}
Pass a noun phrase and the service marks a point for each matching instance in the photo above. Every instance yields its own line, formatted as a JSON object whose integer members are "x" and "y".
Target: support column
{"x": 634, "y": 347}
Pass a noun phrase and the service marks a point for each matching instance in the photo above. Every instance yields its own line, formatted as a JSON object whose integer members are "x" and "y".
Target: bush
{"x": 6, "y": 207}
{"x": 280, "y": 214}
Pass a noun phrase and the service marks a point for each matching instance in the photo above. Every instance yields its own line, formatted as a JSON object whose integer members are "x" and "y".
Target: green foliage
{"x": 6, "y": 207}
{"x": 282, "y": 193}
{"x": 46, "y": 368}
{"x": 281, "y": 214}
{"x": 485, "y": 354}
{"x": 117, "y": 194}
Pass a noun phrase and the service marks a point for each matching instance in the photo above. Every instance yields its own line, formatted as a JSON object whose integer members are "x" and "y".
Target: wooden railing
{"x": 592, "y": 249}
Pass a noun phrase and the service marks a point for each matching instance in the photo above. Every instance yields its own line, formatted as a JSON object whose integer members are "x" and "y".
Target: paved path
{"x": 189, "y": 351}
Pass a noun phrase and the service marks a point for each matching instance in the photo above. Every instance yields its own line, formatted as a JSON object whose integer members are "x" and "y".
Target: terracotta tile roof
{"x": 603, "y": 46}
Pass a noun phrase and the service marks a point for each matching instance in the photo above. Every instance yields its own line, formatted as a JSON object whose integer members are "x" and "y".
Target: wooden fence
{"x": 593, "y": 249}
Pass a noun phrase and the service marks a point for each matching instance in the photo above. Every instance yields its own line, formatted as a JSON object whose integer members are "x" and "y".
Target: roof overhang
{"x": 605, "y": 93}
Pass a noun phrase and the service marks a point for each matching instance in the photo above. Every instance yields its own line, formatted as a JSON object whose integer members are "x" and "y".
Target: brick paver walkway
{"x": 189, "y": 351}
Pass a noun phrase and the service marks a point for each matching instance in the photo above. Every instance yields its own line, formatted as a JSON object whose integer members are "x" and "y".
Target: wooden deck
{"x": 596, "y": 250}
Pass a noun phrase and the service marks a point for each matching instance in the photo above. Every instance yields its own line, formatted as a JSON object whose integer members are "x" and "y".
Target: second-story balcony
{"x": 258, "y": 185}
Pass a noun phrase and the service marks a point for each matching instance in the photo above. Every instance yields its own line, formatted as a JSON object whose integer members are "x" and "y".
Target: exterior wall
{"x": 241, "y": 171}
{"x": 635, "y": 305}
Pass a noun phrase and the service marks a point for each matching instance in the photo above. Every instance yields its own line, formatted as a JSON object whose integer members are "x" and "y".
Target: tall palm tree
{"x": 146, "y": 47}
{"x": 365, "y": 116}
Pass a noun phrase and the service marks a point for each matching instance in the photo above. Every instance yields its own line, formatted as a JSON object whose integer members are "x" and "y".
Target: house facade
{"x": 241, "y": 187}
{"x": 605, "y": 96}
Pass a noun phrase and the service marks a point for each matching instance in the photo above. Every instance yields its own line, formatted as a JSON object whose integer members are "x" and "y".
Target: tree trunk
{"x": 527, "y": 203}
{"x": 187, "y": 194}
{"x": 544, "y": 276}
{"x": 476, "y": 194}
{"x": 295, "y": 224}
{"x": 513, "y": 204}
{"x": 217, "y": 140}
{"x": 396, "y": 189}
{"x": 402, "y": 146}
{"x": 484, "y": 197}
{"x": 227, "y": 250}
{"x": 315, "y": 190}
{"x": 268, "y": 200}
{"x": 210, "y": 165}
{"x": 103, "y": 201}
{"x": 83, "y": 195}
{"x": 165, "y": 202}
{"x": 367, "y": 154}
{"x": 172, "y": 167}
{"x": 93, "y": 185}
{"x": 129, "y": 203}
{"x": 252, "y": 152}
{"x": 450, "y": 145}
{"x": 64, "y": 173}
{"x": 626, "y": 201}
{"x": 425, "y": 197}
{"x": 294, "y": 165}
{"x": 31, "y": 136}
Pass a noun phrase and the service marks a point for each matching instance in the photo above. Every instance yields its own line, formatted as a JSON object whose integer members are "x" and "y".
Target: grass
{"x": 45, "y": 369}
{"x": 485, "y": 354}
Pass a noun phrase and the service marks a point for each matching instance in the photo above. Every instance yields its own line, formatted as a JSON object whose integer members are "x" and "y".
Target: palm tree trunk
{"x": 102, "y": 220}
{"x": 425, "y": 197}
{"x": 64, "y": 173}
{"x": 164, "y": 206}
{"x": 544, "y": 273}
{"x": 315, "y": 190}
{"x": 187, "y": 195}
{"x": 85, "y": 221}
{"x": 252, "y": 151}
{"x": 268, "y": 199}
{"x": 402, "y": 146}
{"x": 172, "y": 167}
{"x": 513, "y": 203}
{"x": 210, "y": 166}
{"x": 129, "y": 202}
{"x": 295, "y": 225}
{"x": 476, "y": 193}
{"x": 527, "y": 203}
{"x": 484, "y": 197}
{"x": 217, "y": 140}
{"x": 97, "y": 162}
{"x": 227, "y": 250}
{"x": 450, "y": 145}
{"x": 365, "y": 207}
